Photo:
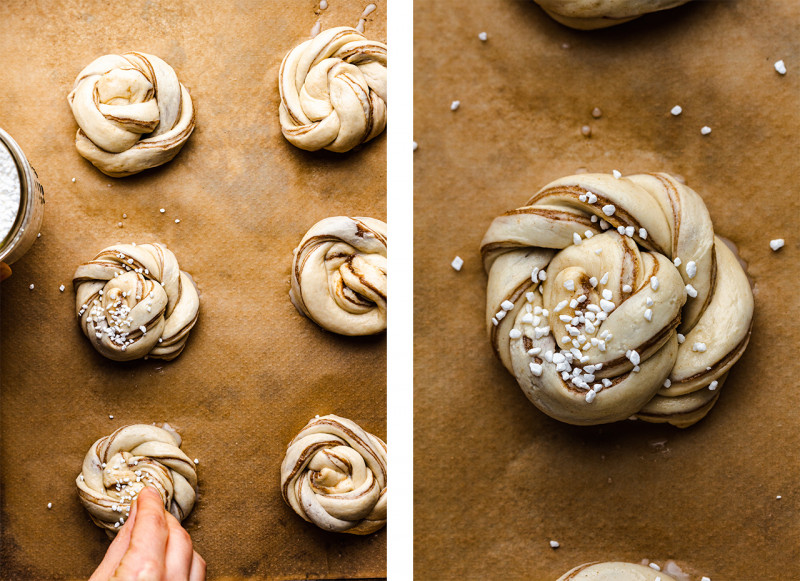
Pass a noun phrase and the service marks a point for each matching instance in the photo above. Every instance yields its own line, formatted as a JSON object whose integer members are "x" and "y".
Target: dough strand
{"x": 587, "y": 308}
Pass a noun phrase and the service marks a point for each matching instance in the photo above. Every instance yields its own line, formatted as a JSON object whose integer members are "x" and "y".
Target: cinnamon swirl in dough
{"x": 333, "y": 91}
{"x": 134, "y": 301}
{"x": 614, "y": 572}
{"x": 591, "y": 14}
{"x": 339, "y": 275}
{"x": 334, "y": 475}
{"x": 132, "y": 113}
{"x": 119, "y": 466}
{"x": 611, "y": 297}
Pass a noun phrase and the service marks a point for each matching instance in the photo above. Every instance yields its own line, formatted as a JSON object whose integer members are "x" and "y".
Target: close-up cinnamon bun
{"x": 611, "y": 296}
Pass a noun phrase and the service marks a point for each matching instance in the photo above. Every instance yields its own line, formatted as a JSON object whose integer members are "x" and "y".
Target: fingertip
{"x": 150, "y": 494}
{"x": 198, "y": 571}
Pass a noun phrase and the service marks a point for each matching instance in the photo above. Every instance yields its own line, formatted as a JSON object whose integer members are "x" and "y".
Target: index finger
{"x": 148, "y": 545}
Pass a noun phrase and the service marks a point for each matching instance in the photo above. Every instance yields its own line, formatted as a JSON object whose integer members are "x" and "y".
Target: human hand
{"x": 151, "y": 546}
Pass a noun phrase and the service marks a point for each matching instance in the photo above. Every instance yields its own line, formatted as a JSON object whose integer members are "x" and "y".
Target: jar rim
{"x": 23, "y": 171}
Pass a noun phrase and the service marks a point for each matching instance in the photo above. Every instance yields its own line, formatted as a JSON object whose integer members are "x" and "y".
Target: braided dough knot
{"x": 119, "y": 466}
{"x": 614, "y": 571}
{"x": 333, "y": 91}
{"x": 132, "y": 113}
{"x": 135, "y": 301}
{"x": 334, "y": 475}
{"x": 339, "y": 275}
{"x": 592, "y": 14}
{"x": 586, "y": 307}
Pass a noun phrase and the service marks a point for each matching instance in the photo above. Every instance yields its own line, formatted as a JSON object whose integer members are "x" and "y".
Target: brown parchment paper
{"x": 254, "y": 371}
{"x": 495, "y": 479}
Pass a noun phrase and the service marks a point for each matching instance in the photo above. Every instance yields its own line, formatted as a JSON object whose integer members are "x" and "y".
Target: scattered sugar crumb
{"x": 483, "y": 36}
{"x": 49, "y": 505}
{"x": 74, "y": 180}
{"x": 61, "y": 288}
{"x": 778, "y": 497}
{"x": 39, "y": 235}
{"x": 554, "y": 544}
{"x": 586, "y": 131}
{"x": 616, "y": 173}
{"x": 654, "y": 566}
{"x": 457, "y": 263}
{"x": 705, "y": 130}
{"x": 177, "y": 221}
{"x": 124, "y": 216}
{"x": 110, "y": 417}
{"x": 676, "y": 110}
{"x": 197, "y": 460}
{"x": 455, "y": 105}
{"x": 119, "y": 224}
{"x": 776, "y": 244}
{"x": 780, "y": 66}
{"x": 597, "y": 113}
{"x": 31, "y": 287}
{"x": 162, "y": 210}
{"x": 414, "y": 146}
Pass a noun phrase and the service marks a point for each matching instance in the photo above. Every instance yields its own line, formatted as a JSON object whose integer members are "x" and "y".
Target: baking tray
{"x": 495, "y": 479}
{"x": 254, "y": 371}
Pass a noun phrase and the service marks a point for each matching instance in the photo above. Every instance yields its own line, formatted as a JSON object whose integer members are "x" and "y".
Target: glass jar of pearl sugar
{"x": 21, "y": 201}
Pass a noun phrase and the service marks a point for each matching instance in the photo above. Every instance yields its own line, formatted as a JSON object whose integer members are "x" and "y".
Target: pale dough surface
{"x": 334, "y": 475}
{"x": 134, "y": 301}
{"x": 616, "y": 286}
{"x": 117, "y": 467}
{"x": 339, "y": 275}
{"x": 614, "y": 571}
{"x": 132, "y": 113}
{"x": 333, "y": 91}
{"x": 591, "y": 14}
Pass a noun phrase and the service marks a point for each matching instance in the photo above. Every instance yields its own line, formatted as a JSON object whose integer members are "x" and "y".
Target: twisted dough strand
{"x": 134, "y": 301}
{"x": 614, "y": 571}
{"x": 339, "y": 275}
{"x": 132, "y": 113}
{"x": 334, "y": 475}
{"x": 582, "y": 278}
{"x": 593, "y": 14}
{"x": 117, "y": 467}
{"x": 333, "y": 91}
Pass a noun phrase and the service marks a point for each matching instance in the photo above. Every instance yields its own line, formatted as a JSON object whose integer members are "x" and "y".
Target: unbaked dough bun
{"x": 132, "y": 113}
{"x": 339, "y": 275}
{"x": 334, "y": 475}
{"x": 614, "y": 572}
{"x": 134, "y": 301}
{"x": 591, "y": 14}
{"x": 333, "y": 91}
{"x": 119, "y": 466}
{"x": 587, "y": 308}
